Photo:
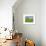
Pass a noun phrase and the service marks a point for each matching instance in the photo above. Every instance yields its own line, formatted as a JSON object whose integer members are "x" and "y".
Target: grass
{"x": 28, "y": 20}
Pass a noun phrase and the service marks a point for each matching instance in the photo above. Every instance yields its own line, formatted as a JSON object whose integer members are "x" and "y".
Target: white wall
{"x": 6, "y": 13}
{"x": 29, "y": 31}
{"x": 43, "y": 22}
{"x": 36, "y": 32}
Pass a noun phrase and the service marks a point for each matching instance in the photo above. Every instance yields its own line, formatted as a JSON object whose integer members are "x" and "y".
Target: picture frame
{"x": 28, "y": 19}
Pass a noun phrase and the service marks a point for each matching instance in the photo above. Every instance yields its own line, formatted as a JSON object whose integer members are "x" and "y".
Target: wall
{"x": 32, "y": 32}
{"x": 43, "y": 22}
{"x": 6, "y": 13}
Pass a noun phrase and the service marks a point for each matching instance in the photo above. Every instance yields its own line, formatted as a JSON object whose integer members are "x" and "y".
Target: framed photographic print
{"x": 28, "y": 19}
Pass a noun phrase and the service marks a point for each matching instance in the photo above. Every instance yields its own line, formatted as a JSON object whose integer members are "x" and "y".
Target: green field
{"x": 28, "y": 19}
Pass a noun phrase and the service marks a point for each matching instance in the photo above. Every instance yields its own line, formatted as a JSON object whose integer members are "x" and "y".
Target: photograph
{"x": 22, "y": 22}
{"x": 29, "y": 19}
